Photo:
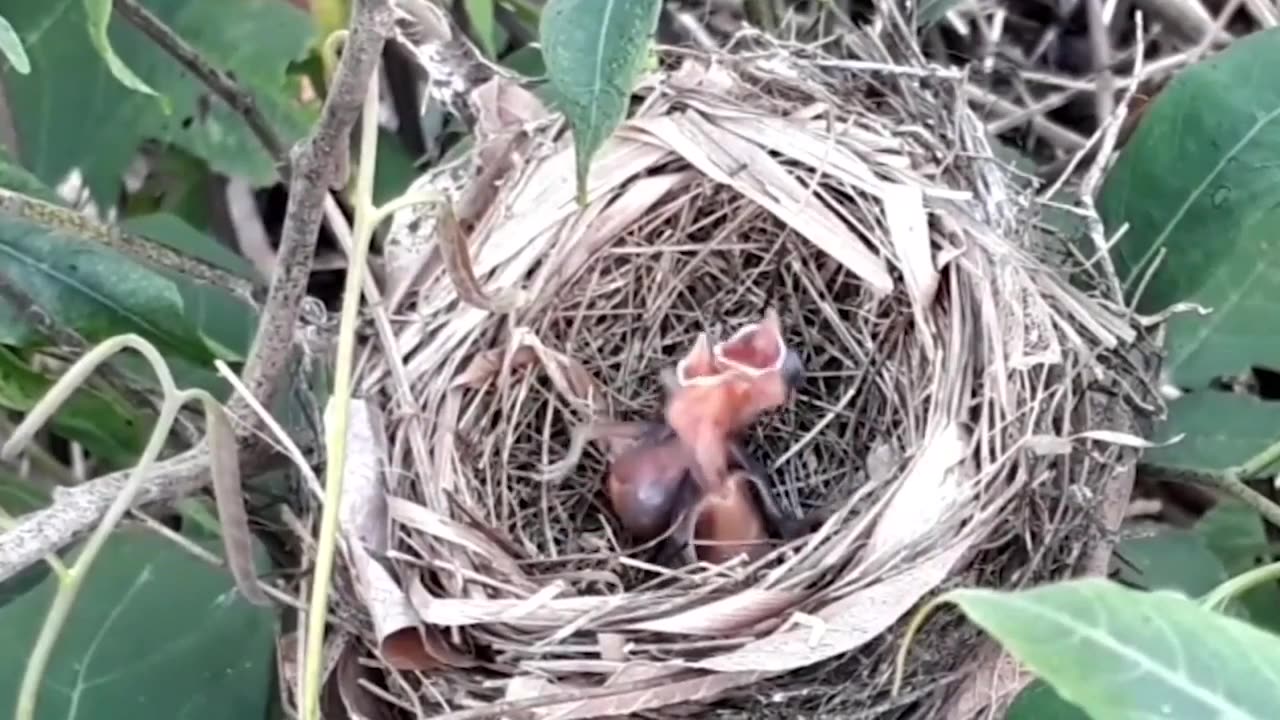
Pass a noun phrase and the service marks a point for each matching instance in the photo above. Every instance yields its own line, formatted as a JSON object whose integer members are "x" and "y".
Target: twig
{"x": 214, "y": 78}
{"x": 1064, "y": 138}
{"x": 1232, "y": 484}
{"x": 1104, "y": 92}
{"x": 315, "y": 170}
{"x": 76, "y": 509}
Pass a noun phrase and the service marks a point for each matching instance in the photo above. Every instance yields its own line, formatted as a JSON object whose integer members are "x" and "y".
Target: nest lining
{"x": 912, "y": 396}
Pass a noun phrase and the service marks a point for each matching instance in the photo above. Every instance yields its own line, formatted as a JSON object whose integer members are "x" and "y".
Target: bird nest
{"x": 956, "y": 358}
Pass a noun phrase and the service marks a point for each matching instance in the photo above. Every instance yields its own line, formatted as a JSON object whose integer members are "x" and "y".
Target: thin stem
{"x": 69, "y": 588}
{"x": 340, "y": 405}
{"x": 1241, "y": 584}
{"x": 228, "y": 90}
{"x": 1255, "y": 465}
{"x": 1231, "y": 483}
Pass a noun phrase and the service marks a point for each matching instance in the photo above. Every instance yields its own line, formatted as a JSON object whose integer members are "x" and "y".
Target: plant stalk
{"x": 1241, "y": 584}
{"x": 69, "y": 584}
{"x": 340, "y": 404}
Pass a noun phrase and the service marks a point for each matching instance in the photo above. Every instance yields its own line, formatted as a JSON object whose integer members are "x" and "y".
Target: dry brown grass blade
{"x": 743, "y": 166}
{"x": 726, "y": 615}
{"x": 933, "y": 487}
{"x": 228, "y": 496}
{"x": 908, "y": 230}
{"x": 347, "y": 683}
{"x": 532, "y": 612}
{"x": 453, "y": 532}
{"x": 702, "y": 688}
{"x": 844, "y": 625}
{"x": 457, "y": 260}
{"x": 400, "y": 636}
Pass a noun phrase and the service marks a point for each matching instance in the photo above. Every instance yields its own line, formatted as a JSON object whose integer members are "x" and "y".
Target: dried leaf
{"x": 846, "y": 624}
{"x": 935, "y": 484}
{"x": 457, "y": 261}
{"x": 515, "y": 612}
{"x": 362, "y": 513}
{"x": 356, "y": 699}
{"x": 700, "y": 689}
{"x": 502, "y": 106}
{"x": 724, "y": 616}
{"x": 748, "y": 169}
{"x": 908, "y": 228}
{"x": 452, "y": 531}
{"x": 224, "y": 469}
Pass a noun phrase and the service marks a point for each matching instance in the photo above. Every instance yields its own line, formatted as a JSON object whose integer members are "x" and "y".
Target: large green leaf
{"x": 1170, "y": 558}
{"x": 1198, "y": 181}
{"x": 71, "y": 112}
{"x": 19, "y": 496}
{"x": 223, "y": 320}
{"x": 594, "y": 51}
{"x": 91, "y": 289}
{"x": 1221, "y": 430}
{"x": 98, "y": 13}
{"x": 11, "y": 48}
{"x": 395, "y": 170}
{"x": 106, "y": 425}
{"x": 154, "y": 633}
{"x": 15, "y": 177}
{"x": 1039, "y": 701}
{"x": 1234, "y": 532}
{"x": 483, "y": 25}
{"x": 1120, "y": 653}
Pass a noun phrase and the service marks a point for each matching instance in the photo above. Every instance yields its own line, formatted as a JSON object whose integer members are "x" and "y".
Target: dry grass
{"x": 950, "y": 365}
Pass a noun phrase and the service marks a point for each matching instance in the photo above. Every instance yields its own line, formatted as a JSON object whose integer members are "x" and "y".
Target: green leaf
{"x": 11, "y": 48}
{"x": 1121, "y": 653}
{"x": 19, "y": 496}
{"x": 480, "y": 13}
{"x": 1222, "y": 430}
{"x": 173, "y": 232}
{"x": 223, "y": 321}
{"x": 1171, "y": 558}
{"x": 1039, "y": 701}
{"x": 1198, "y": 181}
{"x": 594, "y": 51}
{"x": 15, "y": 177}
{"x": 395, "y": 170}
{"x": 71, "y": 113}
{"x": 154, "y": 633}
{"x": 1234, "y": 532}
{"x": 105, "y": 424}
{"x": 98, "y": 13}
{"x": 94, "y": 290}
{"x": 527, "y": 61}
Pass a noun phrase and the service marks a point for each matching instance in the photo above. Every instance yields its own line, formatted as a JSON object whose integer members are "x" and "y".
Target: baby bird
{"x": 721, "y": 390}
{"x": 728, "y": 521}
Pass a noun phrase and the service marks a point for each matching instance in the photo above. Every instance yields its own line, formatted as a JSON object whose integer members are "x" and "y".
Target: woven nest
{"x": 951, "y": 368}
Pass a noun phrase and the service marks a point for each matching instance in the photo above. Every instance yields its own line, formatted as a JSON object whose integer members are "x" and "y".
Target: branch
{"x": 316, "y": 166}
{"x": 77, "y": 509}
{"x": 318, "y": 162}
{"x": 217, "y": 79}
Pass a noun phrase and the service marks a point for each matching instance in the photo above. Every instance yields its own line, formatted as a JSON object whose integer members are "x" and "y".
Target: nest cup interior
{"x": 629, "y": 315}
